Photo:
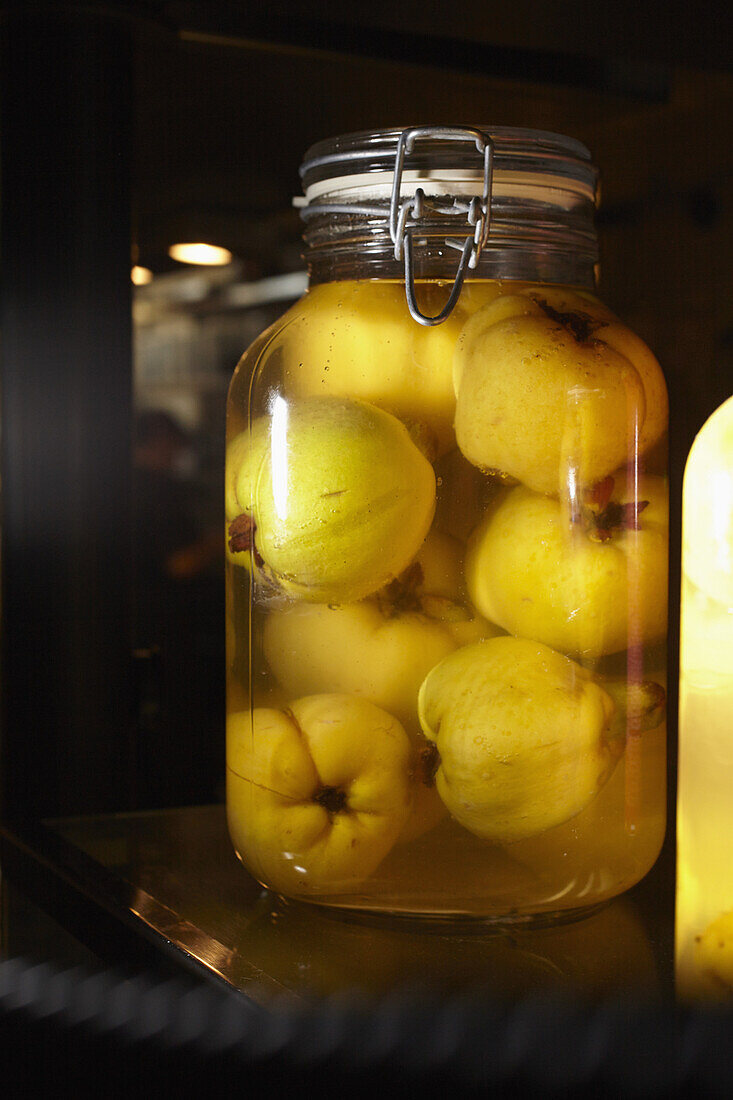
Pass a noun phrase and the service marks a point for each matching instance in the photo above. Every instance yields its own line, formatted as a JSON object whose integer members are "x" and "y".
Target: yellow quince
{"x": 520, "y": 733}
{"x": 381, "y": 648}
{"x": 316, "y": 794}
{"x": 552, "y": 389}
{"x": 589, "y": 578}
{"x": 331, "y": 497}
{"x": 358, "y": 339}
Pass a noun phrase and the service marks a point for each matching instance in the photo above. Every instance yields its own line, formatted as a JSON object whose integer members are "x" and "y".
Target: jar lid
{"x": 522, "y": 158}
{"x": 431, "y": 176}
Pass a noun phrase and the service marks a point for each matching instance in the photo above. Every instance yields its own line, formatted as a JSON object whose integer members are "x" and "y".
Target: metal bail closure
{"x": 406, "y": 218}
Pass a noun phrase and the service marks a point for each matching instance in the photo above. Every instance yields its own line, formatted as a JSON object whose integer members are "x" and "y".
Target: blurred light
{"x": 198, "y": 253}
{"x": 275, "y": 288}
{"x": 141, "y": 276}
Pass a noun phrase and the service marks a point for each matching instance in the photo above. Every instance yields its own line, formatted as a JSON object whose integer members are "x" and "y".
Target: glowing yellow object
{"x": 704, "y": 946}
{"x": 210, "y": 255}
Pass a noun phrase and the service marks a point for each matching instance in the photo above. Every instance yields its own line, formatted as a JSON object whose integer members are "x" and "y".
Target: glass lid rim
{"x": 329, "y": 153}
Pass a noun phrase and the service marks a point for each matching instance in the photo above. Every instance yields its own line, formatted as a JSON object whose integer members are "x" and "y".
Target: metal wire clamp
{"x": 407, "y": 219}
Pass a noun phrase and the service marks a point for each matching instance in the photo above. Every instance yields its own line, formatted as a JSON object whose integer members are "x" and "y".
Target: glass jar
{"x": 446, "y": 509}
{"x": 704, "y": 916}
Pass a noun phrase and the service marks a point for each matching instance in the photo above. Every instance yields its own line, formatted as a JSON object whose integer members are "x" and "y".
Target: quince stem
{"x": 603, "y": 517}
{"x": 428, "y": 762}
{"x": 242, "y": 536}
{"x": 402, "y": 594}
{"x": 640, "y": 706}
{"x": 580, "y": 325}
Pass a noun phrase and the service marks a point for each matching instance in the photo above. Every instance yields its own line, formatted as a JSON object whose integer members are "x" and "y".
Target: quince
{"x": 358, "y": 339}
{"x": 520, "y": 734}
{"x": 250, "y": 441}
{"x": 316, "y": 794}
{"x": 588, "y": 580}
{"x": 382, "y": 648}
{"x": 551, "y": 388}
{"x": 332, "y": 498}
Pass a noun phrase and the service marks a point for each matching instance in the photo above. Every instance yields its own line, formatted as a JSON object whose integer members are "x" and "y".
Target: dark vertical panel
{"x": 65, "y": 332}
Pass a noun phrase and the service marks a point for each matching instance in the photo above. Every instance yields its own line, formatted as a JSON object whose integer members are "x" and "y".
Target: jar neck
{"x": 529, "y": 242}
{"x": 500, "y": 264}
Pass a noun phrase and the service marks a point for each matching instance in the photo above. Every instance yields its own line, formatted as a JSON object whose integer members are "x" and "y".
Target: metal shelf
{"x": 165, "y": 886}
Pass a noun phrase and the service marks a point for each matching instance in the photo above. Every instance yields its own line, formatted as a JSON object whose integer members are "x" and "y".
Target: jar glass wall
{"x": 704, "y": 910}
{"x": 447, "y": 595}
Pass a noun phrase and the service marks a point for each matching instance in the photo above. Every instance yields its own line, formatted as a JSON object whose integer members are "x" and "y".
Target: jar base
{"x": 449, "y": 922}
